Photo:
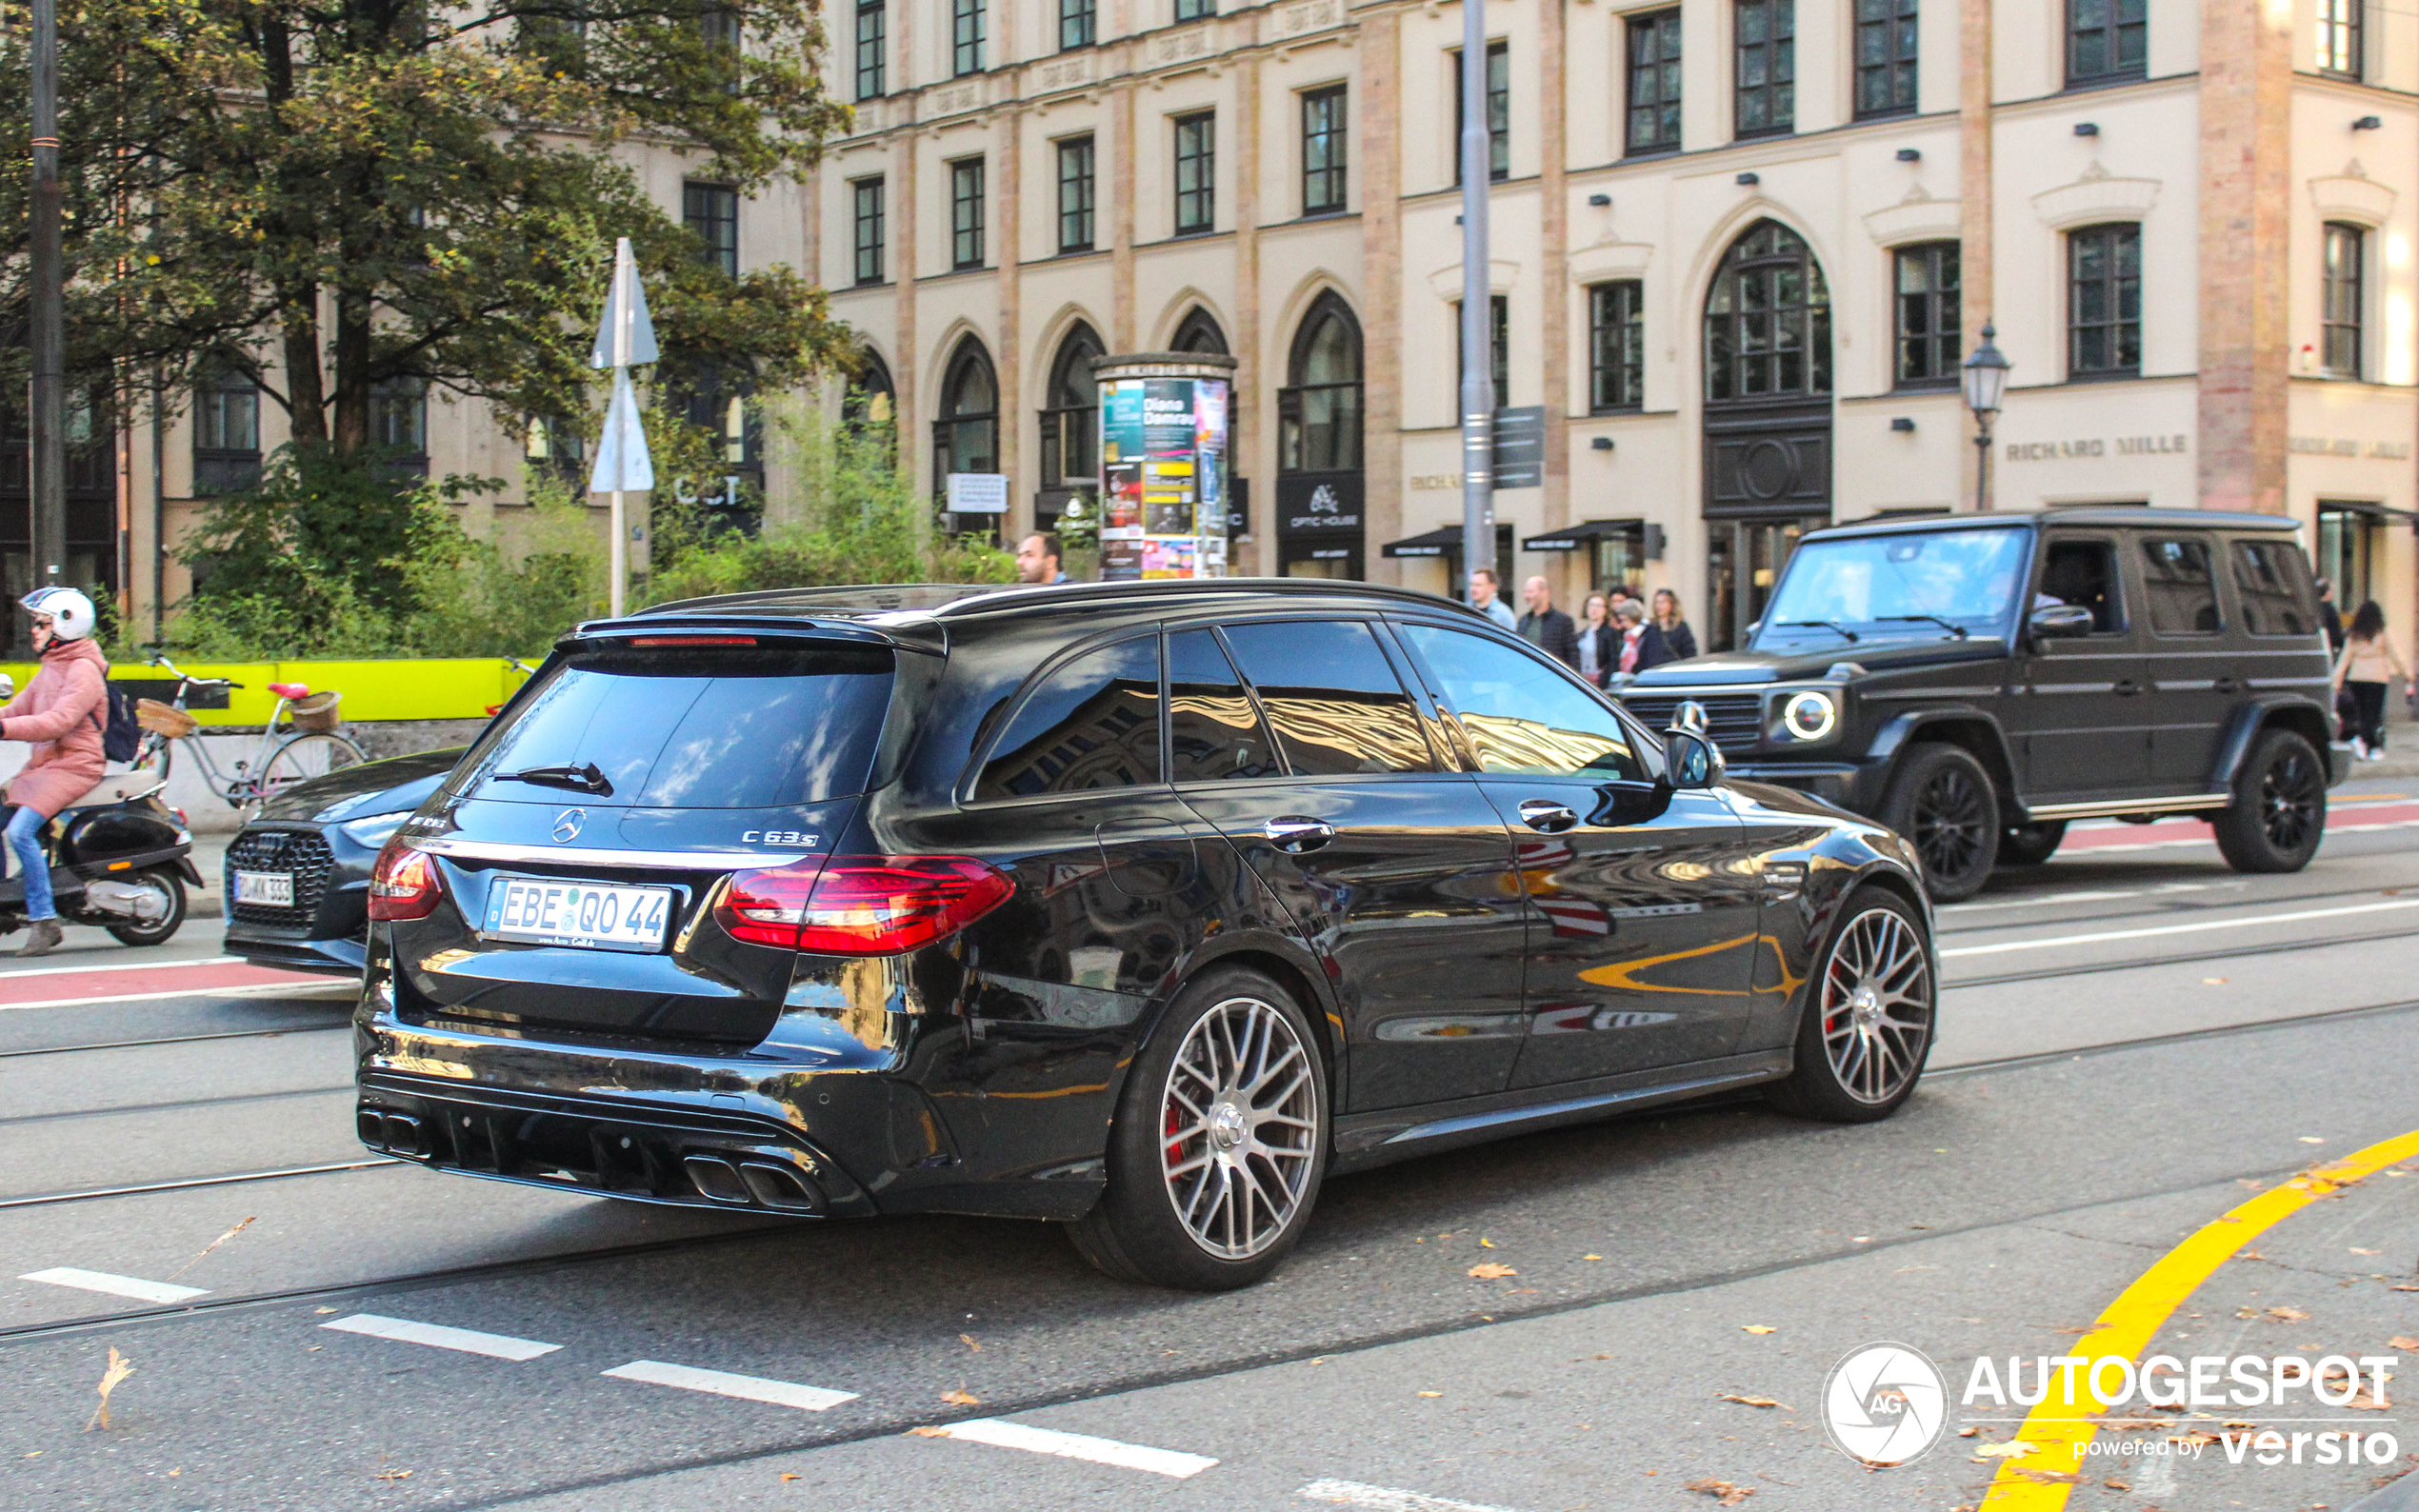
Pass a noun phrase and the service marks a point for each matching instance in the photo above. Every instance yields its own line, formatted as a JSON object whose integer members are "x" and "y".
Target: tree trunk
{"x": 352, "y": 372}
{"x": 298, "y": 300}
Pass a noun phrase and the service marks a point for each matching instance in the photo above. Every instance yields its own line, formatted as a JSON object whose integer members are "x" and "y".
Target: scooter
{"x": 119, "y": 858}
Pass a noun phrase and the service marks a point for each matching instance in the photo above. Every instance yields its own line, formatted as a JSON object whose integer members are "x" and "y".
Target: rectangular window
{"x": 969, "y": 27}
{"x": 2180, "y": 589}
{"x": 1078, "y": 23}
{"x": 2104, "y": 302}
{"x": 1616, "y": 346}
{"x": 2108, "y": 41}
{"x": 868, "y": 194}
{"x": 965, "y": 213}
{"x": 2339, "y": 37}
{"x": 2340, "y": 301}
{"x": 1322, "y": 157}
{"x": 712, "y": 212}
{"x": 2272, "y": 583}
{"x": 399, "y": 417}
{"x": 1499, "y": 358}
{"x": 1498, "y": 111}
{"x": 1655, "y": 82}
{"x": 226, "y": 435}
{"x": 1764, "y": 37}
{"x": 1213, "y": 732}
{"x": 1195, "y": 9}
{"x": 1196, "y": 173}
{"x": 1927, "y": 312}
{"x": 1093, "y": 724}
{"x": 1884, "y": 57}
{"x": 1338, "y": 708}
{"x": 1076, "y": 195}
{"x": 873, "y": 45}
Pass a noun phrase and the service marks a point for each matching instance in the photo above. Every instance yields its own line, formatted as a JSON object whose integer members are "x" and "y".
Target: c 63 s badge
{"x": 779, "y": 837}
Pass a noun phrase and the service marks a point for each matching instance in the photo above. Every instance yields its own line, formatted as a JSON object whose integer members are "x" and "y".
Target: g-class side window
{"x": 2180, "y": 580}
{"x": 2272, "y": 583}
{"x": 1092, "y": 724}
{"x": 2083, "y": 572}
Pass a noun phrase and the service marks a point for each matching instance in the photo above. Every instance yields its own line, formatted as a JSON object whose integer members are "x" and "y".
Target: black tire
{"x": 1892, "y": 1028}
{"x": 167, "y": 880}
{"x": 1944, "y": 805}
{"x": 2031, "y": 845}
{"x": 1141, "y": 1230}
{"x": 2279, "y": 812}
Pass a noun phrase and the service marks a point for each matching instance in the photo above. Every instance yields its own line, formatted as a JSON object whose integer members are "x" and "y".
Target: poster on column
{"x": 1163, "y": 464}
{"x": 1122, "y": 452}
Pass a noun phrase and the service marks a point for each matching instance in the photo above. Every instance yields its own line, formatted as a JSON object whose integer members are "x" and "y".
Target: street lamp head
{"x": 1986, "y": 377}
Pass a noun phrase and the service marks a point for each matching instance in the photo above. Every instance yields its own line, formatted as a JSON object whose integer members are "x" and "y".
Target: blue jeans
{"x": 25, "y": 842}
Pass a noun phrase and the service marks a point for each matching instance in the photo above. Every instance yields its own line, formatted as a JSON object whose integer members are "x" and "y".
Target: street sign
{"x": 1520, "y": 447}
{"x": 626, "y": 337}
{"x": 622, "y": 462}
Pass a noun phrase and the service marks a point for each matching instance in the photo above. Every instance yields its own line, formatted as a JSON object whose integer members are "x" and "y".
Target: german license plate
{"x": 276, "y": 888}
{"x": 542, "y": 910}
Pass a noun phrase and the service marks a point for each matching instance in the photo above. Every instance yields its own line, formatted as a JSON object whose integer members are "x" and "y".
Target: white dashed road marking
{"x": 470, "y": 1342}
{"x": 134, "y": 1286}
{"x": 1384, "y": 1499}
{"x": 2196, "y": 927}
{"x": 721, "y": 1383}
{"x": 1006, "y": 1435}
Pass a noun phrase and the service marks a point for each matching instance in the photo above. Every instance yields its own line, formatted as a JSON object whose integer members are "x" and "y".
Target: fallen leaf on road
{"x": 1758, "y": 1328}
{"x": 2368, "y": 1402}
{"x": 1492, "y": 1270}
{"x": 1722, "y": 1491}
{"x": 2406, "y": 1288}
{"x": 213, "y": 1244}
{"x": 967, "y": 1340}
{"x": 961, "y": 1397}
{"x": 2212, "y": 981}
{"x": 2403, "y": 1342}
{"x": 2051, "y": 1477}
{"x": 1591, "y": 1257}
{"x": 1486, "y": 1243}
{"x": 2288, "y": 1314}
{"x": 2195, "y": 1438}
{"x": 2009, "y": 1450}
{"x": 927, "y": 1431}
{"x": 791, "y": 1475}
{"x": 120, "y": 1367}
{"x": 393, "y": 1475}
{"x": 2357, "y": 1250}
{"x": 1752, "y": 1402}
{"x": 1967, "y": 1433}
{"x": 2312, "y": 1138}
{"x": 2115, "y": 1484}
{"x": 1432, "y": 1393}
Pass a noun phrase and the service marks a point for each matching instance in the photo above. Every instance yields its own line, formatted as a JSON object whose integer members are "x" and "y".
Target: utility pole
{"x": 48, "y": 397}
{"x": 1478, "y": 328}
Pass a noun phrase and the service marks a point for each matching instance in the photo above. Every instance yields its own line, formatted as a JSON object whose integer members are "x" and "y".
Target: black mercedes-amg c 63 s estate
{"x": 1141, "y": 907}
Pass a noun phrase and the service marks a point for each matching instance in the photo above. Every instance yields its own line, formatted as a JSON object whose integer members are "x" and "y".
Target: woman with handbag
{"x": 1597, "y": 641}
{"x": 2369, "y": 662}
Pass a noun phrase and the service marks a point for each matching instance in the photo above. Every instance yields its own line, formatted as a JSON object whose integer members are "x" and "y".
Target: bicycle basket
{"x": 163, "y": 719}
{"x": 316, "y": 712}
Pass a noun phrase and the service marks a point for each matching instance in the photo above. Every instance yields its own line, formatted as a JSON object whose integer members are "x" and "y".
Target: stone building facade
{"x": 1739, "y": 248}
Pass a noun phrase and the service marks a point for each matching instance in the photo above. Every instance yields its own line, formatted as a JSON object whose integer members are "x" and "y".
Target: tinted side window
{"x": 1522, "y": 717}
{"x": 1092, "y": 724}
{"x": 2083, "y": 572}
{"x": 1338, "y": 708}
{"x": 2271, "y": 582}
{"x": 2177, "y": 580}
{"x": 1214, "y": 731}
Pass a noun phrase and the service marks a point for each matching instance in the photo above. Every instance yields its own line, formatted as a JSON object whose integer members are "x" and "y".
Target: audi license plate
{"x": 594, "y": 915}
{"x": 275, "y": 888}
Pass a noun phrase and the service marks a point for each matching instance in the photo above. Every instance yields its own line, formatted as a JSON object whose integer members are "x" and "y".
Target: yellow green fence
{"x": 465, "y": 689}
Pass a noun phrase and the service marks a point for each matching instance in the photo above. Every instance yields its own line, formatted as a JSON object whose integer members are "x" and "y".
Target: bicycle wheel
{"x": 299, "y": 760}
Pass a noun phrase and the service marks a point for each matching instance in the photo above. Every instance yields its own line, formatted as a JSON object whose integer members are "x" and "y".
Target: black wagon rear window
{"x": 2272, "y": 583}
{"x": 692, "y": 725}
{"x": 1091, "y": 724}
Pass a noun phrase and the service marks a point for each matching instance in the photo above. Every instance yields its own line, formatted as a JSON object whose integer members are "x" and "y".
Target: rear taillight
{"x": 860, "y": 906}
{"x": 404, "y": 884}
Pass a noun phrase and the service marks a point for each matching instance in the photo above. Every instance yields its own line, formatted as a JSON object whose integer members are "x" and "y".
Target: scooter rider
{"x": 61, "y": 712}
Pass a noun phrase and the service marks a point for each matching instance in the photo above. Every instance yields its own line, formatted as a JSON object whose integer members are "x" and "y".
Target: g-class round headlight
{"x": 1810, "y": 715}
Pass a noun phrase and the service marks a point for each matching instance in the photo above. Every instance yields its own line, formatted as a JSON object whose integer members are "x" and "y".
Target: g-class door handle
{"x": 1296, "y": 834}
{"x": 1547, "y": 815}
{"x": 2127, "y": 688}
{"x": 2228, "y": 684}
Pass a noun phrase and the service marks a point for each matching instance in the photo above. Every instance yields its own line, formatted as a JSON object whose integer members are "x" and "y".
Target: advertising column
{"x": 1163, "y": 464}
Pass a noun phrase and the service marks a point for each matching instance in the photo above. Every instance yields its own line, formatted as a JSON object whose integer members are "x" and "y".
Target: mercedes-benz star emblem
{"x": 1688, "y": 716}
{"x": 567, "y": 824}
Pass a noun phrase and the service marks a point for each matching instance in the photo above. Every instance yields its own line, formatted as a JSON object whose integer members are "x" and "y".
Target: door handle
{"x": 2127, "y": 688}
{"x": 1545, "y": 815}
{"x": 1295, "y": 834}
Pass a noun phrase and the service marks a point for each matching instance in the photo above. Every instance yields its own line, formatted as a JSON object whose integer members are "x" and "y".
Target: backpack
{"x": 121, "y": 737}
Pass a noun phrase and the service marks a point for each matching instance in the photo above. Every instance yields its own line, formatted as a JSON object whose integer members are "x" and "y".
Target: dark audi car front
{"x": 298, "y": 875}
{"x": 1139, "y": 907}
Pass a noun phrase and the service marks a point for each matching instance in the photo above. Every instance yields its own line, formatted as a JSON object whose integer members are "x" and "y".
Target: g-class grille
{"x": 301, "y": 853}
{"x": 1734, "y": 720}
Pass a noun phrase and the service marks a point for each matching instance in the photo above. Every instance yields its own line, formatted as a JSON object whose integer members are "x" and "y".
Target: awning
{"x": 1436, "y": 543}
{"x": 1580, "y": 535}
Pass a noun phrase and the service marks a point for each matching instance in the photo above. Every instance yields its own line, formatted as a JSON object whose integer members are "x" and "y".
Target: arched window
{"x": 869, "y": 399}
{"x": 1319, "y": 412}
{"x": 966, "y": 438}
{"x": 1768, "y": 320}
{"x": 1070, "y": 413}
{"x": 1199, "y": 333}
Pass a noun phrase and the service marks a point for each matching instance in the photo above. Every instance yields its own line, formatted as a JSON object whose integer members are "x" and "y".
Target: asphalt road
{"x": 2135, "y": 1040}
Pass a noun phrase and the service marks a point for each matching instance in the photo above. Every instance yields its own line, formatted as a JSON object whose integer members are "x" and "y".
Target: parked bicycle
{"x": 301, "y": 739}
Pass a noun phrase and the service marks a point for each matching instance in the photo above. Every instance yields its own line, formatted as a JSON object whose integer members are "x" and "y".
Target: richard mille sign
{"x": 2097, "y": 447}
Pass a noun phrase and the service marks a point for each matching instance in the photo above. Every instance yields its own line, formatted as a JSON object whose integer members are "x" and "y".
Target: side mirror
{"x": 1691, "y": 760}
{"x": 2059, "y": 622}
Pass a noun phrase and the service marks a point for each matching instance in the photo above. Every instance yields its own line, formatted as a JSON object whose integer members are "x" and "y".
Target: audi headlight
{"x": 1810, "y": 715}
{"x": 376, "y": 829}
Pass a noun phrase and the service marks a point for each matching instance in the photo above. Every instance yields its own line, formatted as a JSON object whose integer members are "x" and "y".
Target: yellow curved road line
{"x": 2063, "y": 1426}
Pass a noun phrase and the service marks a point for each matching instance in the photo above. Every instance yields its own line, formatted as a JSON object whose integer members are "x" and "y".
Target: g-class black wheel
{"x": 2031, "y": 845}
{"x": 2279, "y": 812}
{"x": 1943, "y": 802}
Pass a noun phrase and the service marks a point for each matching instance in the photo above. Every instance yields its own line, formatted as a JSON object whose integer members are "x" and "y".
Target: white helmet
{"x": 70, "y": 611}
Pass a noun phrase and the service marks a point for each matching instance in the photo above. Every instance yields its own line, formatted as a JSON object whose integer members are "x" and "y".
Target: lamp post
{"x": 1985, "y": 383}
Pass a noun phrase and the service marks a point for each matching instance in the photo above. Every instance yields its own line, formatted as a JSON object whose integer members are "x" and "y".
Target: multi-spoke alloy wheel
{"x": 2279, "y": 812}
{"x": 2291, "y": 795}
{"x": 1239, "y": 1120}
{"x": 1942, "y": 801}
{"x": 1877, "y": 1006}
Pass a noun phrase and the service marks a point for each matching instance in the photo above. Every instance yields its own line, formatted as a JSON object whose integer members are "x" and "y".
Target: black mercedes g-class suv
{"x": 1977, "y": 681}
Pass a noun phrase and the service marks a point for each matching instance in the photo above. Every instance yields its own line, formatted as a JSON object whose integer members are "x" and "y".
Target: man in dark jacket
{"x": 1547, "y": 627}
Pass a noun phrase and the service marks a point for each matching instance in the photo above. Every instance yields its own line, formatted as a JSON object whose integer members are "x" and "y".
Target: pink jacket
{"x": 60, "y": 712}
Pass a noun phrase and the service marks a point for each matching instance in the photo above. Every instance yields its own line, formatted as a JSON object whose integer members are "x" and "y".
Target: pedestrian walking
{"x": 1668, "y": 633}
{"x": 1632, "y": 618}
{"x": 1547, "y": 627}
{"x": 1038, "y": 557}
{"x": 2366, "y": 665}
{"x": 2330, "y": 616}
{"x": 1598, "y": 639}
{"x": 1486, "y": 601}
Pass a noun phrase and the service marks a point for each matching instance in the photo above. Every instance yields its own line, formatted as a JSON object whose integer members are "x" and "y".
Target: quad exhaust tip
{"x": 394, "y": 1133}
{"x": 752, "y": 1184}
